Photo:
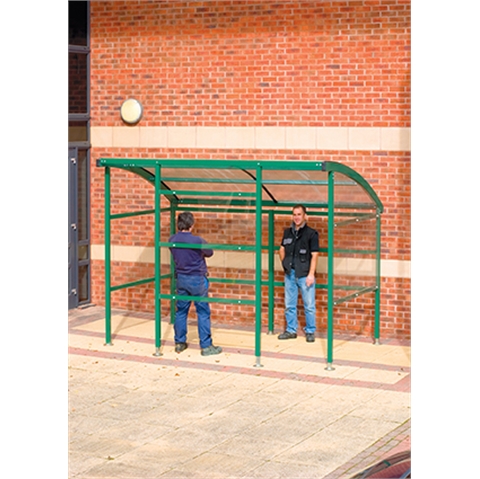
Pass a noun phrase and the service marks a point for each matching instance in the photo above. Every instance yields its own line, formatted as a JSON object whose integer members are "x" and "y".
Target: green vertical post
{"x": 173, "y": 283}
{"x": 271, "y": 271}
{"x": 158, "y": 263}
{"x": 108, "y": 280}
{"x": 378, "y": 279}
{"x": 258, "y": 265}
{"x": 330, "y": 266}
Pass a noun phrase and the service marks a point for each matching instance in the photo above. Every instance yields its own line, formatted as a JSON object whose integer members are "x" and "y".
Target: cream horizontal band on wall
{"x": 224, "y": 259}
{"x": 254, "y": 137}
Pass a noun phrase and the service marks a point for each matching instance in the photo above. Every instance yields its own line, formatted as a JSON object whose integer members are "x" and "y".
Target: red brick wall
{"x": 312, "y": 63}
{"x": 234, "y": 63}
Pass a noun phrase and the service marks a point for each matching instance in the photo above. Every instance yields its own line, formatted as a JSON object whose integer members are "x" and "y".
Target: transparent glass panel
{"x": 179, "y": 174}
{"x": 77, "y": 23}
{"x": 297, "y": 186}
{"x": 77, "y": 83}
{"x": 301, "y": 176}
{"x": 283, "y": 186}
{"x": 77, "y": 131}
{"x": 223, "y": 185}
{"x": 355, "y": 259}
{"x": 299, "y": 193}
{"x": 83, "y": 199}
{"x": 348, "y": 193}
{"x": 83, "y": 274}
{"x": 83, "y": 252}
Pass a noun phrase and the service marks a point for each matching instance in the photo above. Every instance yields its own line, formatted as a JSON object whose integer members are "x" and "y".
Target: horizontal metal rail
{"x": 306, "y": 182}
{"x": 208, "y": 180}
{"x": 252, "y": 181}
{"x": 205, "y": 164}
{"x": 228, "y": 209}
{"x": 240, "y": 209}
{"x": 207, "y": 193}
{"x": 233, "y": 281}
{"x": 269, "y": 203}
{"x": 355, "y": 251}
{"x": 237, "y": 247}
{"x": 204, "y": 299}
{"x": 280, "y": 284}
{"x": 211, "y": 201}
{"x": 243, "y": 210}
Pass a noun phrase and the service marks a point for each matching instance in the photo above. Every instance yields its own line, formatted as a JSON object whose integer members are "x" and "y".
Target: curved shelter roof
{"x": 237, "y": 182}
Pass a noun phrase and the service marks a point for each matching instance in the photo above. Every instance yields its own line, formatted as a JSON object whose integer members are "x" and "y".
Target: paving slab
{"x": 133, "y": 414}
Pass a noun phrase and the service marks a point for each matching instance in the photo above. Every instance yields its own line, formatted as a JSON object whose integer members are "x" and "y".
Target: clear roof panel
{"x": 349, "y": 192}
{"x": 202, "y": 173}
{"x": 211, "y": 184}
{"x": 309, "y": 187}
{"x": 282, "y": 182}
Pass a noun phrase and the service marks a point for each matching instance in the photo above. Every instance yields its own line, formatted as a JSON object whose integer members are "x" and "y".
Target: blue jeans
{"x": 190, "y": 285}
{"x": 292, "y": 285}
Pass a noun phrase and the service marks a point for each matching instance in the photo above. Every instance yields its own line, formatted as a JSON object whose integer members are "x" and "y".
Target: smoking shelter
{"x": 266, "y": 190}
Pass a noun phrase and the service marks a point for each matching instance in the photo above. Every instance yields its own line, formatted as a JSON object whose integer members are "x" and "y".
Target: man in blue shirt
{"x": 191, "y": 275}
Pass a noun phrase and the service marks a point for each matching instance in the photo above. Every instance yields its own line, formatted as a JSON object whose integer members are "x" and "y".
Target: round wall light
{"x": 131, "y": 111}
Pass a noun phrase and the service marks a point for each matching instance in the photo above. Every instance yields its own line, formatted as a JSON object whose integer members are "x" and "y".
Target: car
{"x": 397, "y": 466}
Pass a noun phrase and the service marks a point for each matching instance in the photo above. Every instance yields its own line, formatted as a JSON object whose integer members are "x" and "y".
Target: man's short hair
{"x": 185, "y": 221}
{"x": 301, "y": 207}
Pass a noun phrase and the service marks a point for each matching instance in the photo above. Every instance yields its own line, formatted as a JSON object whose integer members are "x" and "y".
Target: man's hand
{"x": 310, "y": 280}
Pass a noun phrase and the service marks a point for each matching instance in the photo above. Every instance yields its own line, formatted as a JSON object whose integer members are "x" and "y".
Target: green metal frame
{"x": 245, "y": 202}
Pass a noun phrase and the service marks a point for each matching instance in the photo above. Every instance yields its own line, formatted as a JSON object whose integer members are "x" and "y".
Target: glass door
{"x": 78, "y": 154}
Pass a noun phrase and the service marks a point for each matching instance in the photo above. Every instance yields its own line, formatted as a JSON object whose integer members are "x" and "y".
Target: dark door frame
{"x": 79, "y": 262}
{"x": 72, "y": 228}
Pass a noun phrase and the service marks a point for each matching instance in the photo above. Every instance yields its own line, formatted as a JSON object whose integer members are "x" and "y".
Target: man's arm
{"x": 281, "y": 253}
{"x": 314, "y": 248}
{"x": 313, "y": 266}
{"x": 206, "y": 252}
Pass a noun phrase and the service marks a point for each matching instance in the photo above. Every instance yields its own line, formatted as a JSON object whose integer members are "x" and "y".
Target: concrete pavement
{"x": 134, "y": 415}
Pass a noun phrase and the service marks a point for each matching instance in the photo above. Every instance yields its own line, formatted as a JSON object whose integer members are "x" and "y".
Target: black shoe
{"x": 211, "y": 350}
{"x": 179, "y": 347}
{"x": 287, "y": 335}
{"x": 310, "y": 337}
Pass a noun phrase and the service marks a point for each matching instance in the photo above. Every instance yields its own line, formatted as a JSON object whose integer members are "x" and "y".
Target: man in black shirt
{"x": 298, "y": 253}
